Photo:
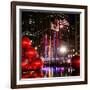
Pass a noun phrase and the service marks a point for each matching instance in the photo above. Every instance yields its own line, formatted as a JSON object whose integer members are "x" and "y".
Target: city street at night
{"x": 50, "y": 44}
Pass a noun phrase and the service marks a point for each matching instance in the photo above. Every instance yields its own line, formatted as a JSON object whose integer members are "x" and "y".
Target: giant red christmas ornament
{"x": 30, "y": 53}
{"x": 41, "y": 74}
{"x": 37, "y": 63}
{"x": 24, "y": 65}
{"x": 23, "y": 53}
{"x": 33, "y": 74}
{"x": 36, "y": 74}
{"x": 75, "y": 61}
{"x": 24, "y": 59}
{"x": 26, "y": 42}
{"x": 25, "y": 76}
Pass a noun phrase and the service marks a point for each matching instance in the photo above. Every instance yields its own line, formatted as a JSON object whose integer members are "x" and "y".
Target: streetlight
{"x": 63, "y": 49}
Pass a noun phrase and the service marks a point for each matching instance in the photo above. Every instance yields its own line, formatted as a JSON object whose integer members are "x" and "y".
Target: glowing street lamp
{"x": 62, "y": 50}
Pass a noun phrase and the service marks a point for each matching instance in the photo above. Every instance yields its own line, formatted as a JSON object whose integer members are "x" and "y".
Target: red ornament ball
{"x": 30, "y": 53}
{"x": 26, "y": 42}
{"x": 37, "y": 63}
{"x": 75, "y": 61}
{"x": 23, "y": 59}
{"x": 24, "y": 65}
{"x": 25, "y": 76}
{"x": 33, "y": 74}
{"x": 23, "y": 54}
{"x": 36, "y": 74}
